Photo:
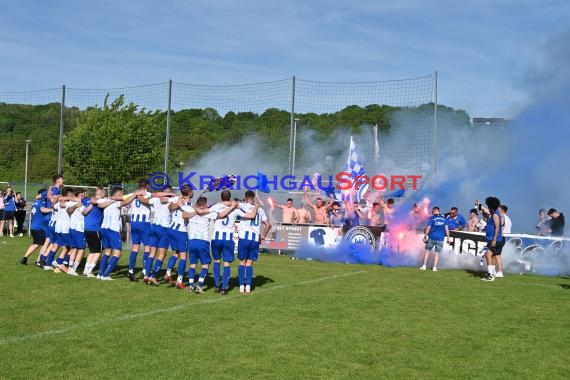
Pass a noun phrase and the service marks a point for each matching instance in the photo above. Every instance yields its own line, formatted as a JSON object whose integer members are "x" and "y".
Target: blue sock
{"x": 148, "y": 266}
{"x": 217, "y": 273}
{"x": 133, "y": 260}
{"x": 227, "y": 271}
{"x": 59, "y": 261}
{"x": 103, "y": 264}
{"x": 248, "y": 275}
{"x": 203, "y": 275}
{"x": 191, "y": 275}
{"x": 172, "y": 263}
{"x": 50, "y": 257}
{"x": 43, "y": 258}
{"x": 182, "y": 268}
{"x": 145, "y": 257}
{"x": 241, "y": 274}
{"x": 112, "y": 265}
{"x": 66, "y": 259}
{"x": 157, "y": 267}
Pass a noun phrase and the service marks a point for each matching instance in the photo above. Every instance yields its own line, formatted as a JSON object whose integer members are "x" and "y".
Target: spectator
{"x": 1, "y": 214}
{"x": 455, "y": 221}
{"x": 507, "y": 224}
{"x": 388, "y": 208}
{"x": 556, "y": 223}
{"x": 289, "y": 212}
{"x": 374, "y": 215}
{"x": 543, "y": 225}
{"x": 304, "y": 214}
{"x": 416, "y": 217}
{"x": 20, "y": 213}
{"x": 9, "y": 211}
{"x": 473, "y": 224}
{"x": 337, "y": 215}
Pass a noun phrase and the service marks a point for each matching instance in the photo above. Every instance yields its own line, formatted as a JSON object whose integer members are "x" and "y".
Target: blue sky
{"x": 483, "y": 50}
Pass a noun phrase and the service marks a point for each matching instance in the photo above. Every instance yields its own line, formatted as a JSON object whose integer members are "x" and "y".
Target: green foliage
{"x": 118, "y": 142}
{"x": 114, "y": 144}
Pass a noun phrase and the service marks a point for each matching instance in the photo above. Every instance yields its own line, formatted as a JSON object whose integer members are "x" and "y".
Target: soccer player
{"x": 199, "y": 218}
{"x": 93, "y": 216}
{"x": 178, "y": 234}
{"x": 75, "y": 210}
{"x": 494, "y": 235}
{"x": 111, "y": 230}
{"x": 158, "y": 241}
{"x": 36, "y": 227}
{"x": 249, "y": 239}
{"x": 223, "y": 244}
{"x": 51, "y": 195}
{"x": 61, "y": 229}
{"x": 140, "y": 229}
{"x": 435, "y": 233}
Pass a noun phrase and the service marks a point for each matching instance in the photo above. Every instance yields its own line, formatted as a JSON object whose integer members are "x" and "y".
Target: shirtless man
{"x": 304, "y": 214}
{"x": 289, "y": 212}
{"x": 319, "y": 208}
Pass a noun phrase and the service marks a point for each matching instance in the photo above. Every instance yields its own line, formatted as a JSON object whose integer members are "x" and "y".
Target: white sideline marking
{"x": 127, "y": 317}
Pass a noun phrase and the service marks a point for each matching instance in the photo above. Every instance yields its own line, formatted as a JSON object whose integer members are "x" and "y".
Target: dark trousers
{"x": 20, "y": 216}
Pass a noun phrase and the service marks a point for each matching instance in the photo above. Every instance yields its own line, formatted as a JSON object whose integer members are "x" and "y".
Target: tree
{"x": 114, "y": 144}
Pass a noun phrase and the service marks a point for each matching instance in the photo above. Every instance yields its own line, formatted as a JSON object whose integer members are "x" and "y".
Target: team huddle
{"x": 69, "y": 220}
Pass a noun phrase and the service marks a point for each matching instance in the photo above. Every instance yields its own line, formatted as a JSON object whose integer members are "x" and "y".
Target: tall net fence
{"x": 391, "y": 121}
{"x": 205, "y": 116}
{"x": 119, "y": 135}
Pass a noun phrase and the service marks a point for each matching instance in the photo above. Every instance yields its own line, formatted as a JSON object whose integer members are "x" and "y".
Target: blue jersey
{"x": 10, "y": 203}
{"x": 37, "y": 217}
{"x": 94, "y": 218}
{"x": 437, "y": 225}
{"x": 490, "y": 228}
{"x": 54, "y": 191}
{"x": 457, "y": 222}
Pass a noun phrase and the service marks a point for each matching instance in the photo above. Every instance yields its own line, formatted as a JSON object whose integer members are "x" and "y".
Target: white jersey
{"x": 508, "y": 226}
{"x": 140, "y": 212}
{"x": 178, "y": 222}
{"x": 249, "y": 229}
{"x": 199, "y": 225}
{"x": 77, "y": 222}
{"x": 161, "y": 213}
{"x": 111, "y": 215}
{"x": 63, "y": 219}
{"x": 225, "y": 227}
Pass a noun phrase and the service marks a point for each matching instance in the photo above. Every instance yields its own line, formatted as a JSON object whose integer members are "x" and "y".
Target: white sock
{"x": 168, "y": 273}
{"x": 180, "y": 279}
{"x": 75, "y": 266}
{"x": 491, "y": 269}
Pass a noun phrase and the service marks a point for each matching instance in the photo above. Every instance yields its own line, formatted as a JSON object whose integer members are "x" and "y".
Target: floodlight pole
{"x": 26, "y": 171}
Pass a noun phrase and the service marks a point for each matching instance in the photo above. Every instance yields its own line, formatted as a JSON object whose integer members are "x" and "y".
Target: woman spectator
{"x": 20, "y": 213}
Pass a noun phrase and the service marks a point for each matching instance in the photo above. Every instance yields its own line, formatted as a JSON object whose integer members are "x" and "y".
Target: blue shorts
{"x": 199, "y": 250}
{"x": 140, "y": 233}
{"x": 223, "y": 249}
{"x": 178, "y": 240}
{"x": 63, "y": 240}
{"x": 158, "y": 236}
{"x": 111, "y": 239}
{"x": 248, "y": 250}
{"x": 77, "y": 239}
{"x": 50, "y": 233}
{"x": 437, "y": 244}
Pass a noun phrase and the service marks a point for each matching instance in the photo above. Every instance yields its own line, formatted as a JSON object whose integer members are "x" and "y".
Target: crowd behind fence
{"x": 32, "y": 143}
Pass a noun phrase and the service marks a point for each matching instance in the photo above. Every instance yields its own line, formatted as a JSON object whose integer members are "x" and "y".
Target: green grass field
{"x": 305, "y": 319}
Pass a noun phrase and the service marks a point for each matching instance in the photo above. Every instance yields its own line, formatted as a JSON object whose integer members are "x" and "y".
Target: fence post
{"x": 167, "y": 146}
{"x": 435, "y": 125}
{"x": 292, "y": 131}
{"x": 61, "y": 124}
